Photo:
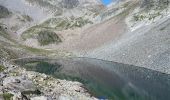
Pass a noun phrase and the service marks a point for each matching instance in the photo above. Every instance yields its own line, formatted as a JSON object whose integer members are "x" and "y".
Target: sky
{"x": 106, "y": 2}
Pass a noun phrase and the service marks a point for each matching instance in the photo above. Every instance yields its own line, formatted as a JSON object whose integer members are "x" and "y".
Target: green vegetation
{"x": 7, "y": 53}
{"x": 26, "y": 18}
{"x": 31, "y": 32}
{"x": 7, "y": 96}
{"x": 45, "y": 34}
{"x": 14, "y": 74}
{"x": 43, "y": 52}
{"x": 3, "y": 31}
{"x": 140, "y": 17}
{"x": 42, "y": 67}
{"x": 65, "y": 23}
{"x": 47, "y": 37}
{"x": 155, "y": 4}
{"x": 163, "y": 28}
{"x": 151, "y": 9}
{"x": 1, "y": 68}
{"x": 4, "y": 12}
{"x": 34, "y": 50}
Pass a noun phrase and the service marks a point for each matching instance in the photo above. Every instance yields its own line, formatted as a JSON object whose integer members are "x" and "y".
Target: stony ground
{"x": 147, "y": 47}
{"x": 18, "y": 84}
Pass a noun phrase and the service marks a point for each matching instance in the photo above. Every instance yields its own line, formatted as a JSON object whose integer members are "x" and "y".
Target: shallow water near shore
{"x": 104, "y": 79}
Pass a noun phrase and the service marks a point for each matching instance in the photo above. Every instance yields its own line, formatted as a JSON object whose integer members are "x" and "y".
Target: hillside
{"x": 133, "y": 34}
{"x": 146, "y": 42}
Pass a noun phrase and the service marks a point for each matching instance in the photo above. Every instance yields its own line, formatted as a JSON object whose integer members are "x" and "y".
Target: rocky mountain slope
{"x": 17, "y": 83}
{"x": 31, "y": 16}
{"x": 146, "y": 42}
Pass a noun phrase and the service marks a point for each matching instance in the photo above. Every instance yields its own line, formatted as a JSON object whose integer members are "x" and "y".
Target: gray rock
{"x": 17, "y": 84}
{"x": 40, "y": 98}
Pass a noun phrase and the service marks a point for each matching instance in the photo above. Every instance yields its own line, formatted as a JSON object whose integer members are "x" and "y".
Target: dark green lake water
{"x": 105, "y": 79}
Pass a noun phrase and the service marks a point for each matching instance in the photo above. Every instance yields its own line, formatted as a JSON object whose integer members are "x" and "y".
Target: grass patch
{"x": 35, "y": 50}
{"x": 30, "y": 33}
{"x": 140, "y": 17}
{"x": 27, "y": 18}
{"x": 48, "y": 37}
{"x": 2, "y": 68}
{"x": 163, "y": 28}
{"x": 7, "y": 96}
{"x": 44, "y": 36}
{"x": 7, "y": 53}
{"x": 3, "y": 32}
{"x": 53, "y": 24}
{"x": 65, "y": 23}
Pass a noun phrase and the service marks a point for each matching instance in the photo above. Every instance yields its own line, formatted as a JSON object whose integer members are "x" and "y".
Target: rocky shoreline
{"x": 18, "y": 84}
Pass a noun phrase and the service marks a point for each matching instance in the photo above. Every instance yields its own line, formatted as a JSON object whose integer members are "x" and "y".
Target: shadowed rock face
{"x": 151, "y": 3}
{"x": 106, "y": 79}
{"x": 70, "y": 3}
{"x": 3, "y": 12}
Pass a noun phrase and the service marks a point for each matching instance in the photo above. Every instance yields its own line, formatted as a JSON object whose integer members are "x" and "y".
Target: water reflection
{"x": 106, "y": 79}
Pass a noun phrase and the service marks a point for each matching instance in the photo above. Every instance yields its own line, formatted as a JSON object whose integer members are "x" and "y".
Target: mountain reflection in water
{"x": 105, "y": 79}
